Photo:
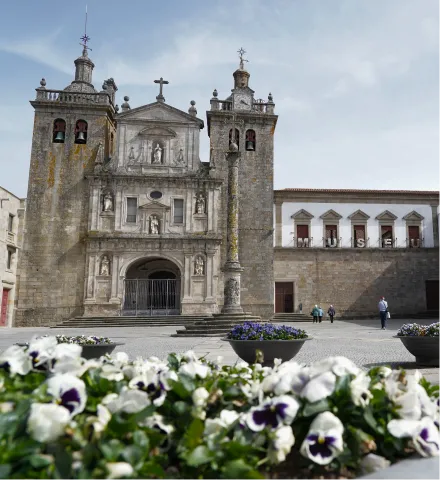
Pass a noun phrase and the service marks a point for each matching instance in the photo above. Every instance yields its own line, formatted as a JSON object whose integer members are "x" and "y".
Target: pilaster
{"x": 278, "y": 224}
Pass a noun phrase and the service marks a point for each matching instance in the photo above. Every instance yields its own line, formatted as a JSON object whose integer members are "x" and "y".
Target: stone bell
{"x": 59, "y": 138}
{"x": 81, "y": 139}
{"x": 250, "y": 146}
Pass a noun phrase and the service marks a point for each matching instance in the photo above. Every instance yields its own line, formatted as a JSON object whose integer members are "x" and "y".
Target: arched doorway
{"x": 152, "y": 287}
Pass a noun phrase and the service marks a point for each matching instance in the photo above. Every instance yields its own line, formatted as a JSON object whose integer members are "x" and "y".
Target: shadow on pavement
{"x": 399, "y": 365}
{"x": 392, "y": 324}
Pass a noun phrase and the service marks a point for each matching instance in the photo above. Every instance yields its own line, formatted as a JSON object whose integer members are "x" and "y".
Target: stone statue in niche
{"x": 105, "y": 266}
{"x": 200, "y": 204}
{"x": 154, "y": 225}
{"x": 108, "y": 202}
{"x": 180, "y": 160}
{"x": 131, "y": 155}
{"x": 199, "y": 266}
{"x": 157, "y": 154}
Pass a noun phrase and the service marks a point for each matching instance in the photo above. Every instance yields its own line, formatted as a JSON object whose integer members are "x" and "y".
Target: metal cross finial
{"x": 241, "y": 52}
{"x": 85, "y": 38}
{"x": 160, "y": 97}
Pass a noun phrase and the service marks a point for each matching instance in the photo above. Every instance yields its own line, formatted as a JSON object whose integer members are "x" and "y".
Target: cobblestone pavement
{"x": 361, "y": 341}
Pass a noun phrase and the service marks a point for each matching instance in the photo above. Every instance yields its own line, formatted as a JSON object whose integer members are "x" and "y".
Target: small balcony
{"x": 414, "y": 243}
{"x": 302, "y": 242}
{"x": 332, "y": 242}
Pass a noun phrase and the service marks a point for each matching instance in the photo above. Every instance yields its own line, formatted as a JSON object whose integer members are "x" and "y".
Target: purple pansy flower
{"x": 68, "y": 391}
{"x": 272, "y": 413}
{"x": 424, "y": 434}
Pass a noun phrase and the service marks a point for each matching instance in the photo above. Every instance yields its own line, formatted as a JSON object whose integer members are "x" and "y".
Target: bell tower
{"x": 70, "y": 127}
{"x": 250, "y": 124}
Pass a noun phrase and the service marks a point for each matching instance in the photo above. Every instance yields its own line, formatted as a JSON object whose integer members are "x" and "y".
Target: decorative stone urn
{"x": 424, "y": 349}
{"x": 271, "y": 349}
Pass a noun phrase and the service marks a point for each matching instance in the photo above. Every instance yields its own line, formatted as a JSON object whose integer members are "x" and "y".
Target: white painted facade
{"x": 317, "y": 209}
{"x": 11, "y": 216}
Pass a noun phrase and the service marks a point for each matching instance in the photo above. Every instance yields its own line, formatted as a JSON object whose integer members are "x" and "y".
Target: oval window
{"x": 156, "y": 195}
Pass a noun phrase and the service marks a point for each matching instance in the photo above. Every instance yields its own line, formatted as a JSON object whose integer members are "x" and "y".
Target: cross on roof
{"x": 85, "y": 38}
{"x": 160, "y": 97}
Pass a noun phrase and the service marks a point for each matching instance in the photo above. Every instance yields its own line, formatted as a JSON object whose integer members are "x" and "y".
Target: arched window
{"x": 81, "y": 132}
{"x": 59, "y": 131}
{"x": 250, "y": 140}
{"x": 234, "y": 139}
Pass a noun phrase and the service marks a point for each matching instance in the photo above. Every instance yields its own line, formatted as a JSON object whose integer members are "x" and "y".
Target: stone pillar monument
{"x": 232, "y": 268}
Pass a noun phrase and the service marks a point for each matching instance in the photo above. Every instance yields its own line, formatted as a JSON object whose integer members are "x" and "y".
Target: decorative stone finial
{"x": 125, "y": 105}
{"x": 104, "y": 85}
{"x": 192, "y": 110}
{"x": 269, "y": 97}
{"x": 43, "y": 83}
{"x": 117, "y": 108}
{"x": 215, "y": 93}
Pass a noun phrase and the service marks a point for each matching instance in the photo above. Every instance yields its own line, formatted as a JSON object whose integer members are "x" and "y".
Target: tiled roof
{"x": 325, "y": 190}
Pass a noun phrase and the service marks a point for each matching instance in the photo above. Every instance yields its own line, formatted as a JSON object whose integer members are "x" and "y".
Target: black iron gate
{"x": 151, "y": 297}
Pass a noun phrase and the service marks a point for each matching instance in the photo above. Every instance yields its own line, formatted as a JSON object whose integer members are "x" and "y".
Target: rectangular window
{"x": 414, "y": 236}
{"x": 9, "y": 259}
{"x": 131, "y": 210}
{"x": 11, "y": 223}
{"x": 178, "y": 211}
{"x": 302, "y": 235}
{"x": 386, "y": 235}
{"x": 331, "y": 236}
{"x": 359, "y": 236}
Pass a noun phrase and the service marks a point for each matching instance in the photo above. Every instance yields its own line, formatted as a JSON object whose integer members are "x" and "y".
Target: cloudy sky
{"x": 355, "y": 82}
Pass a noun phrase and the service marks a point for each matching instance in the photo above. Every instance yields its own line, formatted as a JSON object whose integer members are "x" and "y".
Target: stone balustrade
{"x": 51, "y": 95}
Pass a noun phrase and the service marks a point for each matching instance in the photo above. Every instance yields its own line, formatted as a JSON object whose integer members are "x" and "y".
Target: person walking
{"x": 383, "y": 309}
{"x": 331, "y": 313}
{"x": 315, "y": 313}
{"x": 320, "y": 314}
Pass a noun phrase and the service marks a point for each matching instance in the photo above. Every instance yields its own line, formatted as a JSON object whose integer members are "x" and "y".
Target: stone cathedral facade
{"x": 123, "y": 218}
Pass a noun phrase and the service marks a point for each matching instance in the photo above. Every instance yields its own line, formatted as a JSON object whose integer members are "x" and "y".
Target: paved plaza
{"x": 361, "y": 341}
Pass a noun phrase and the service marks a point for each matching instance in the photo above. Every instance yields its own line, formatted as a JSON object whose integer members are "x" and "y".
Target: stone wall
{"x": 354, "y": 279}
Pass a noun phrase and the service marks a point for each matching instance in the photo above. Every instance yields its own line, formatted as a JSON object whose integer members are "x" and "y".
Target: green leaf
{"x": 240, "y": 470}
{"x": 38, "y": 461}
{"x": 194, "y": 434}
{"x": 369, "y": 419}
{"x": 63, "y": 462}
{"x": 173, "y": 362}
{"x": 199, "y": 456}
{"x": 317, "y": 407}
{"x": 132, "y": 454}
{"x": 188, "y": 383}
{"x": 141, "y": 439}
{"x": 152, "y": 468}
{"x": 181, "y": 407}
{"x": 5, "y": 471}
{"x": 141, "y": 415}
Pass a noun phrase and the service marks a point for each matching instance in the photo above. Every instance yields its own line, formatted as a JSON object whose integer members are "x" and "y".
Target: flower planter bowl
{"x": 424, "y": 349}
{"x": 271, "y": 349}
{"x": 91, "y": 351}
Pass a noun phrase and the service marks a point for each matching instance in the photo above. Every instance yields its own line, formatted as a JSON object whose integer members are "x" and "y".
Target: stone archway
{"x": 152, "y": 287}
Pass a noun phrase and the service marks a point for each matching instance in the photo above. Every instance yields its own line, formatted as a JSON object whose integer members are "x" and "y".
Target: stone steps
{"x": 130, "y": 321}
{"x": 290, "y": 317}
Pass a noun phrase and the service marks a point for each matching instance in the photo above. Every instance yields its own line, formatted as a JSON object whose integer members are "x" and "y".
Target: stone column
{"x": 435, "y": 224}
{"x": 278, "y": 224}
{"x": 96, "y": 209}
{"x": 114, "y": 299}
{"x": 90, "y": 294}
{"x": 118, "y": 209}
{"x": 187, "y": 276}
{"x": 210, "y": 210}
{"x": 209, "y": 275}
{"x": 232, "y": 269}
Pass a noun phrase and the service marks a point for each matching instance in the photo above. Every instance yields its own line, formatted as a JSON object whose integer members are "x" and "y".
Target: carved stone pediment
{"x": 302, "y": 215}
{"x": 154, "y": 205}
{"x": 158, "y": 111}
{"x": 157, "y": 131}
{"x": 359, "y": 215}
{"x": 331, "y": 215}
{"x": 386, "y": 216}
{"x": 414, "y": 217}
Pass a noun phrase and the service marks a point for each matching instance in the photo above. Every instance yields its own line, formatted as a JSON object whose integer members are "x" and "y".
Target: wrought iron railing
{"x": 359, "y": 242}
{"x": 302, "y": 242}
{"x": 329, "y": 242}
{"x": 414, "y": 242}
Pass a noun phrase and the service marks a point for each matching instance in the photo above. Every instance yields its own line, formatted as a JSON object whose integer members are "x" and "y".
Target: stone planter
{"x": 271, "y": 349}
{"x": 91, "y": 351}
{"x": 424, "y": 349}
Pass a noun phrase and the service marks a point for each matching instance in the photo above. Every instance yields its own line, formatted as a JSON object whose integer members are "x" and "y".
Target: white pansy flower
{"x": 200, "y": 397}
{"x": 241, "y": 365}
{"x": 42, "y": 350}
{"x": 282, "y": 442}
{"x": 120, "y": 358}
{"x": 273, "y": 413}
{"x": 157, "y": 421}
{"x": 424, "y": 434}
{"x": 16, "y": 361}
{"x": 225, "y": 420}
{"x": 384, "y": 371}
{"x": 112, "y": 373}
{"x": 47, "y": 422}
{"x": 68, "y": 391}
{"x": 6, "y": 407}
{"x": 324, "y": 441}
{"x": 319, "y": 387}
{"x": 109, "y": 398}
{"x": 120, "y": 470}
{"x": 190, "y": 356}
{"x": 360, "y": 393}
{"x": 129, "y": 401}
{"x": 67, "y": 351}
{"x": 194, "y": 369}
{"x": 339, "y": 365}
{"x": 101, "y": 420}
{"x": 373, "y": 462}
{"x": 253, "y": 390}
